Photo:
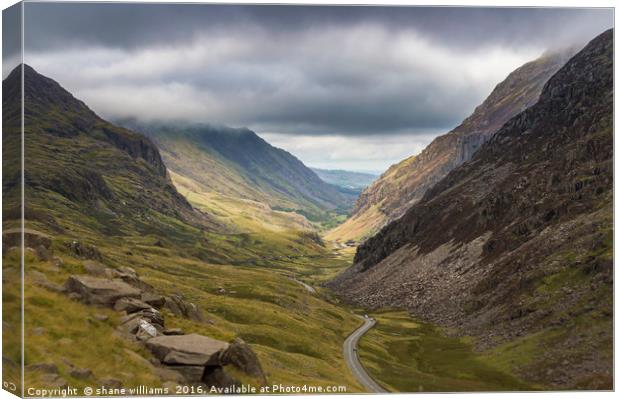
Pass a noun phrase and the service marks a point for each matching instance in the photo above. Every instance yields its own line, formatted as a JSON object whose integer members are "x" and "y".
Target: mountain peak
{"x": 41, "y": 93}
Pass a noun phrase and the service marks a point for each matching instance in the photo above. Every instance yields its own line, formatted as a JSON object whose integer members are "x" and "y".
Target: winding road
{"x": 350, "y": 348}
{"x": 350, "y": 355}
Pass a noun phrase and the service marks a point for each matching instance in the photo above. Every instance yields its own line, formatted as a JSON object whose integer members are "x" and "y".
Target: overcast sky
{"x": 340, "y": 87}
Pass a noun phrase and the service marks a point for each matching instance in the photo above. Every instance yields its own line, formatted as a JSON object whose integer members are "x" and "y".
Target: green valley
{"x": 183, "y": 255}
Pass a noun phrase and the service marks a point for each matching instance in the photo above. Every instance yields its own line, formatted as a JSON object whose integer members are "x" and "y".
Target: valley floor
{"x": 296, "y": 327}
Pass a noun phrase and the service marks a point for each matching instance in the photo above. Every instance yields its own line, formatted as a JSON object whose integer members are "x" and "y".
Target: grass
{"x": 297, "y": 335}
{"x": 11, "y": 322}
{"x": 359, "y": 226}
{"x": 408, "y": 356}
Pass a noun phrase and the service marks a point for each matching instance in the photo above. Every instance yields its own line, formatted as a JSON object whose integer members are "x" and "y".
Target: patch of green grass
{"x": 408, "y": 356}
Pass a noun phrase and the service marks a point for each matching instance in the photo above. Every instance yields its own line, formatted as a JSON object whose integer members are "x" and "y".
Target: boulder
{"x": 156, "y": 301}
{"x": 129, "y": 276}
{"x": 173, "y": 306}
{"x": 81, "y": 373}
{"x": 178, "y": 306}
{"x": 32, "y": 238}
{"x": 95, "y": 268}
{"x": 240, "y": 355}
{"x": 83, "y": 251}
{"x": 189, "y": 350}
{"x": 193, "y": 313}
{"x": 146, "y": 330}
{"x": 131, "y": 322}
{"x": 153, "y": 316}
{"x": 130, "y": 271}
{"x": 100, "y": 291}
{"x": 44, "y": 253}
{"x": 130, "y": 305}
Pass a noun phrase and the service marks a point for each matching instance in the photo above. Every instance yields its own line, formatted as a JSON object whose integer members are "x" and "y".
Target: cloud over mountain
{"x": 294, "y": 70}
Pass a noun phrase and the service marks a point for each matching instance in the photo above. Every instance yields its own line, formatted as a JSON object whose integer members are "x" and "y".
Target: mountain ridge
{"x": 237, "y": 162}
{"x": 515, "y": 247}
{"x": 113, "y": 178}
{"x": 404, "y": 184}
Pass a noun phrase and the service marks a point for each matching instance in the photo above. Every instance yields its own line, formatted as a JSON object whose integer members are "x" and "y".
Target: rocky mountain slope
{"x": 110, "y": 178}
{"x": 404, "y": 184}
{"x": 238, "y": 164}
{"x": 515, "y": 247}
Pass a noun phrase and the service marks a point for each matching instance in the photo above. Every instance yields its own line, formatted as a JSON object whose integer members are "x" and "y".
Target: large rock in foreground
{"x": 100, "y": 291}
{"x": 241, "y": 355}
{"x": 190, "y": 349}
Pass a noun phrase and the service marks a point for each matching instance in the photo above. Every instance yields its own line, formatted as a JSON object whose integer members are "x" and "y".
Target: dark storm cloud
{"x": 131, "y": 25}
{"x": 11, "y": 38}
{"x": 294, "y": 69}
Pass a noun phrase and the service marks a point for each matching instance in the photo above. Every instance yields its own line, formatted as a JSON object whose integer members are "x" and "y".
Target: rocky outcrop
{"x": 38, "y": 241}
{"x": 241, "y": 355}
{"x": 100, "y": 291}
{"x": 405, "y": 183}
{"x": 180, "y": 307}
{"x": 182, "y": 358}
{"x": 83, "y": 251}
{"x": 187, "y": 350}
{"x": 516, "y": 245}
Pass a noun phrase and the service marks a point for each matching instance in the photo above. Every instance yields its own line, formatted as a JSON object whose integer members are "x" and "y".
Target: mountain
{"x": 106, "y": 178}
{"x": 106, "y": 225}
{"x": 404, "y": 184}
{"x": 88, "y": 179}
{"x": 353, "y": 181}
{"x": 238, "y": 164}
{"x": 515, "y": 247}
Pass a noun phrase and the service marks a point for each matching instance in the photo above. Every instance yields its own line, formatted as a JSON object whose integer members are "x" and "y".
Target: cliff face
{"x": 404, "y": 184}
{"x": 516, "y": 245}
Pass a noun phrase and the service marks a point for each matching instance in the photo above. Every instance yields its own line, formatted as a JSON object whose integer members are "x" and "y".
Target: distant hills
{"x": 354, "y": 181}
{"x": 405, "y": 183}
{"x": 238, "y": 164}
{"x": 515, "y": 247}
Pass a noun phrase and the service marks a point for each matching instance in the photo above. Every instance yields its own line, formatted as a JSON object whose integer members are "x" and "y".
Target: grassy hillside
{"x": 409, "y": 356}
{"x": 237, "y": 163}
{"x": 102, "y": 194}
